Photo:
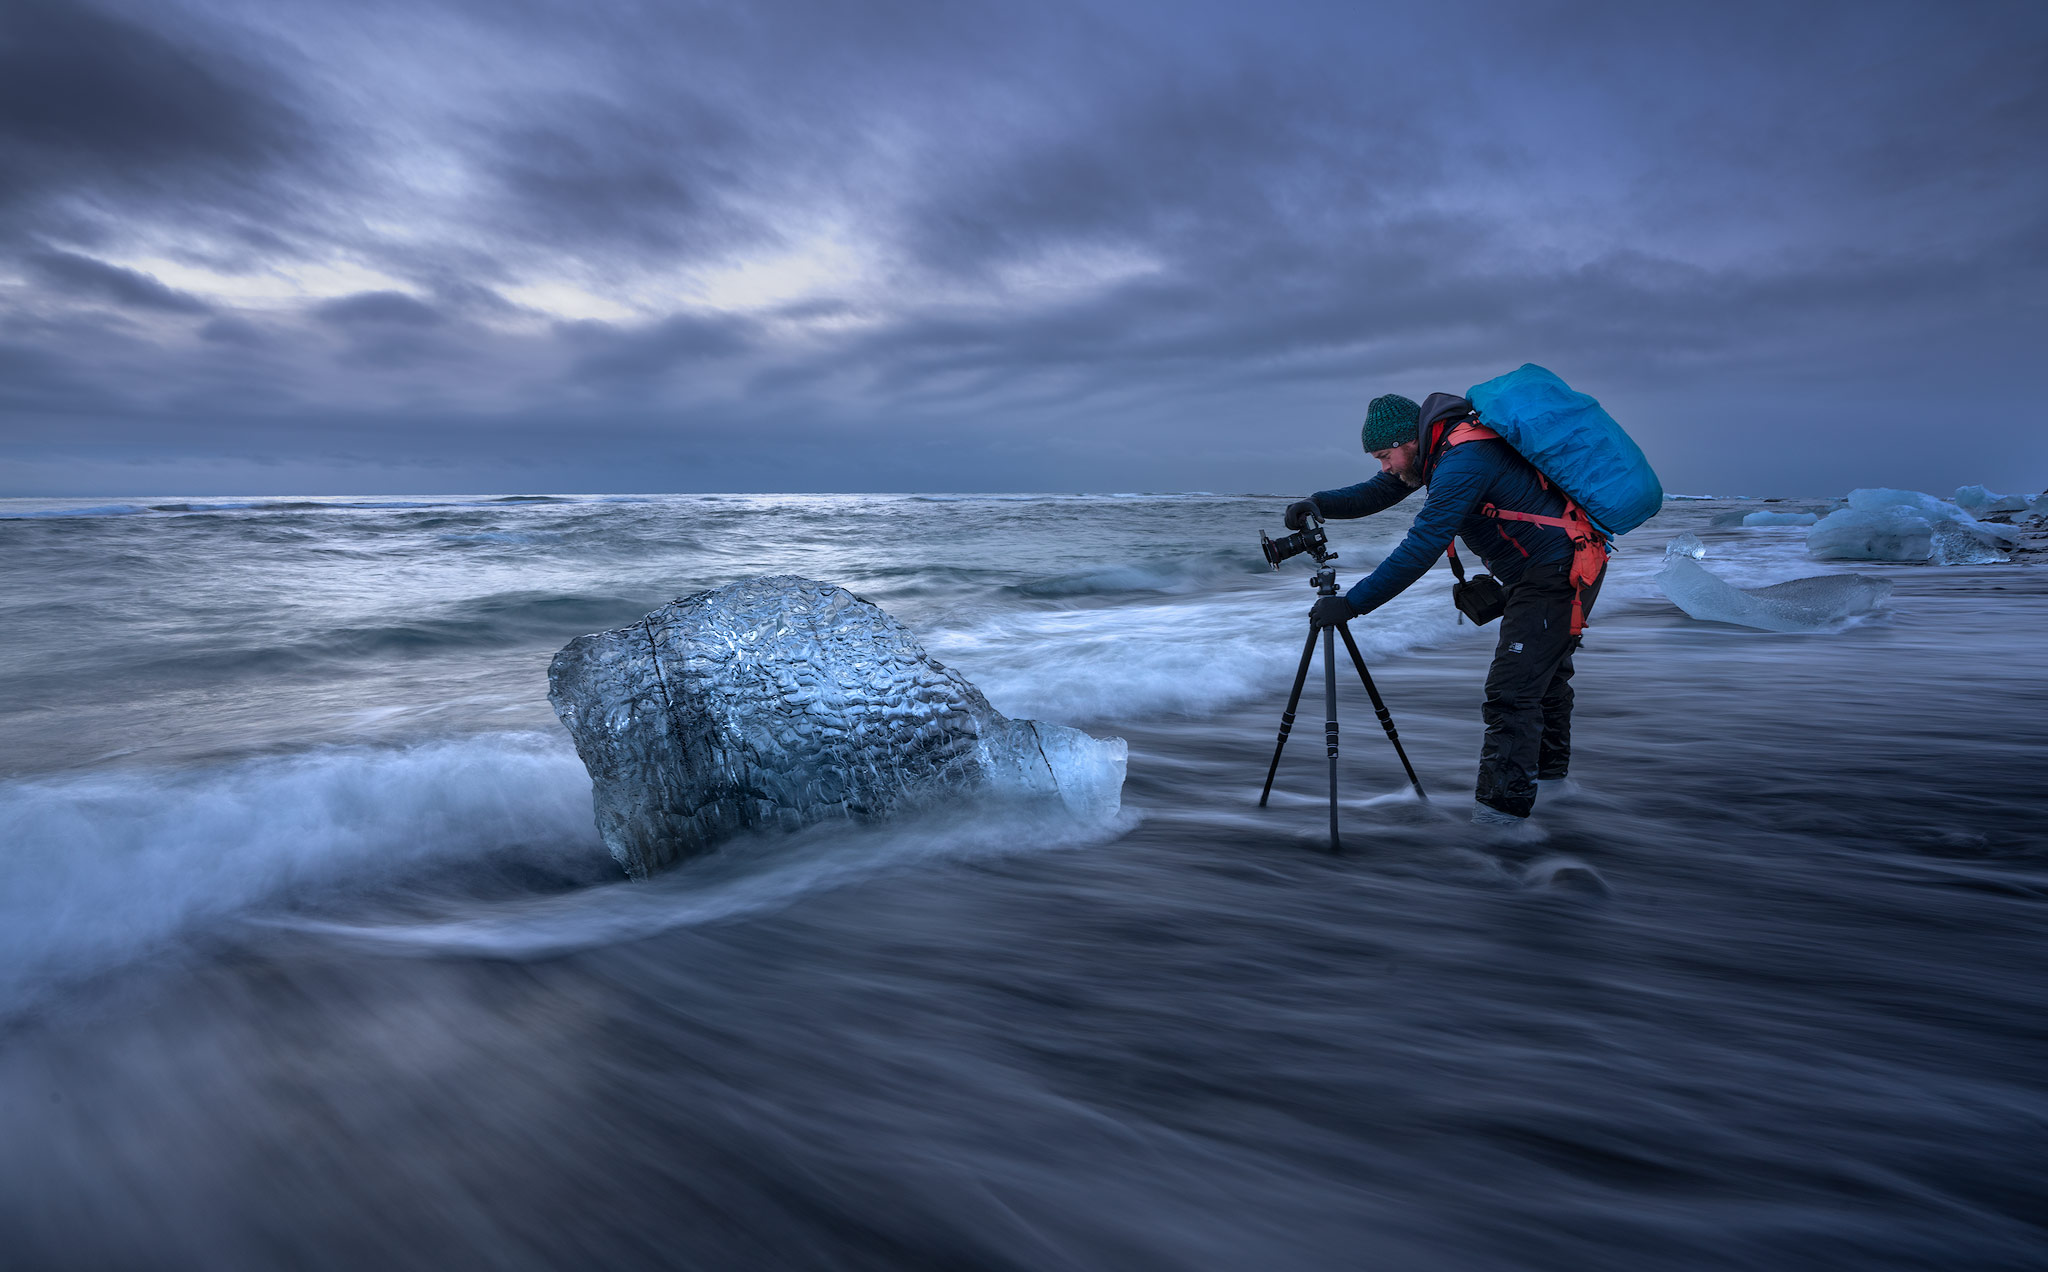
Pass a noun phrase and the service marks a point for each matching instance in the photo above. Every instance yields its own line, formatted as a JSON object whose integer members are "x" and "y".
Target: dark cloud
{"x": 31, "y": 377}
{"x": 609, "y": 355}
{"x": 99, "y": 108}
{"x": 238, "y": 332}
{"x": 582, "y": 174}
{"x": 1124, "y": 245}
{"x": 76, "y": 275}
{"x": 378, "y": 309}
{"x": 1216, "y": 166}
{"x": 390, "y": 331}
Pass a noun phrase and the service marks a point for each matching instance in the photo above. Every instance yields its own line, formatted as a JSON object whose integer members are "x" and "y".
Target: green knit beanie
{"x": 1390, "y": 421}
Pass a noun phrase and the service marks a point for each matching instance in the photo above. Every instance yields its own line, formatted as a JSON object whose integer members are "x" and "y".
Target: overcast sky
{"x": 303, "y": 246}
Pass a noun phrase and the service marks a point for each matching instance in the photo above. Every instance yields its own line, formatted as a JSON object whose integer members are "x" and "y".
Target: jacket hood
{"x": 1438, "y": 406}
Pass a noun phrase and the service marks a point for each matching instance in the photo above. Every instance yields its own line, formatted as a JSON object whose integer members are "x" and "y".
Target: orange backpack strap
{"x": 1444, "y": 434}
{"x": 1589, "y": 550}
{"x": 1462, "y": 433}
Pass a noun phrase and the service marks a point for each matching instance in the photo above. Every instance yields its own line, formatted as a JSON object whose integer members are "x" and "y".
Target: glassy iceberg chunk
{"x": 1978, "y": 502}
{"x": 1780, "y": 519}
{"x": 1955, "y": 544}
{"x": 1687, "y": 544}
{"x": 780, "y": 702}
{"x": 1906, "y": 525}
{"x": 1802, "y": 605}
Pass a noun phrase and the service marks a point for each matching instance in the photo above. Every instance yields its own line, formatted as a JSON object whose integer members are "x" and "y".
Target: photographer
{"x": 1481, "y": 491}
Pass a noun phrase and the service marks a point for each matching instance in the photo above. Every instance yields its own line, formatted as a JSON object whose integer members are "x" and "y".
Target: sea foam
{"x": 100, "y": 868}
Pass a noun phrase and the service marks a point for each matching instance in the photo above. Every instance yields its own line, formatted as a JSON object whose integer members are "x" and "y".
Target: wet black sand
{"x": 1770, "y": 995}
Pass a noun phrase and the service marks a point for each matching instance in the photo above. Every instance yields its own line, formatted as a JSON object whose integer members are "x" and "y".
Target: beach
{"x": 313, "y": 957}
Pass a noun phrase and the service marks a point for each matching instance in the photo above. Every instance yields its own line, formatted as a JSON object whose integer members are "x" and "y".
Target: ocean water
{"x": 310, "y": 956}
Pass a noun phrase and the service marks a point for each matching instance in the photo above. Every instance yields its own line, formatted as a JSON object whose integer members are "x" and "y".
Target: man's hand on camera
{"x": 1300, "y": 511}
{"x": 1329, "y": 611}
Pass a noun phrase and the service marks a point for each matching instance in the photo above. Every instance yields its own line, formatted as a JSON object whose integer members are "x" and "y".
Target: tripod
{"x": 1325, "y": 582}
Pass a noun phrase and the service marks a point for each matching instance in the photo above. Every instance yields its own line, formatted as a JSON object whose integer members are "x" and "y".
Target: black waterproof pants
{"x": 1528, "y": 707}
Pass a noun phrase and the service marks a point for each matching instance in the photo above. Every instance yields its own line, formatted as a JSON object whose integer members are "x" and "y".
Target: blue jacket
{"x": 1467, "y": 477}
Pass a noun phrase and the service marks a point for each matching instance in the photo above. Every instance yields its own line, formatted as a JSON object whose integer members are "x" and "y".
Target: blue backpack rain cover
{"x": 1574, "y": 443}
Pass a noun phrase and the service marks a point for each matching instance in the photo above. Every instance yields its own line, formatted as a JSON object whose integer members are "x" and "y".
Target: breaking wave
{"x": 1166, "y": 656}
{"x": 101, "y": 868}
{"x": 744, "y": 877}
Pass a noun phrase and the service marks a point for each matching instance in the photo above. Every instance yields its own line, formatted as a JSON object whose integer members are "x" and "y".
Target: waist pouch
{"x": 1481, "y": 599}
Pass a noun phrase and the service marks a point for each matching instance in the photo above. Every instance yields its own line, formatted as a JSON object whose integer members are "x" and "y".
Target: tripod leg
{"x": 1330, "y": 721}
{"x": 1308, "y": 651}
{"x": 1379, "y": 706}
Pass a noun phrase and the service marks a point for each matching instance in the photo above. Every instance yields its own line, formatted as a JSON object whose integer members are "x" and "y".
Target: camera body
{"x": 1309, "y": 539}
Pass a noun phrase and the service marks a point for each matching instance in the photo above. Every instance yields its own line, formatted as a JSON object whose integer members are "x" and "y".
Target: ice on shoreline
{"x": 1767, "y": 518}
{"x": 1980, "y": 502}
{"x": 1906, "y": 525}
{"x": 1814, "y": 604}
{"x": 779, "y": 702}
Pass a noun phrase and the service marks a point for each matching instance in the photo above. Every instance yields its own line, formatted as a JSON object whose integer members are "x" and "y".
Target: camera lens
{"x": 1278, "y": 550}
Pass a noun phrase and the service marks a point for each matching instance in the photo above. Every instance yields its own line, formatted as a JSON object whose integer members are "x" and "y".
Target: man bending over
{"x": 1483, "y": 492}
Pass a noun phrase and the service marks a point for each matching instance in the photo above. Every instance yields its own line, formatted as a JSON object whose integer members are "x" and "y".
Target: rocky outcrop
{"x": 778, "y": 702}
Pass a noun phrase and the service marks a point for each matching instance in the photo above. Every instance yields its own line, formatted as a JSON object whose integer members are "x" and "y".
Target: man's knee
{"x": 1517, "y": 681}
{"x": 1511, "y": 706}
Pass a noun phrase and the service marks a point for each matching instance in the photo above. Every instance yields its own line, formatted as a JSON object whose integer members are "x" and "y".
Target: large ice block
{"x": 1852, "y": 534}
{"x": 1906, "y": 525}
{"x": 782, "y": 701}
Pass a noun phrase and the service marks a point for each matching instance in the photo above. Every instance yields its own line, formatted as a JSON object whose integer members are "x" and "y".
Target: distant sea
{"x": 310, "y": 956}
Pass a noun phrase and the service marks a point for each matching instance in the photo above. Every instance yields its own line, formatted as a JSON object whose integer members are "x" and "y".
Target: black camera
{"x": 1311, "y": 540}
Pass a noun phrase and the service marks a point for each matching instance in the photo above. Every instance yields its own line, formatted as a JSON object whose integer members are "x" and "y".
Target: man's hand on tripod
{"x": 1330, "y": 611}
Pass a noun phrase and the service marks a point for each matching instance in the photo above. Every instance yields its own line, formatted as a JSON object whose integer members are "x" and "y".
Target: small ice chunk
{"x": 1955, "y": 544}
{"x": 1685, "y": 545}
{"x": 1802, "y": 605}
{"x": 1978, "y": 501}
{"x": 1780, "y": 519}
{"x": 1905, "y": 525}
{"x": 1087, "y": 774}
